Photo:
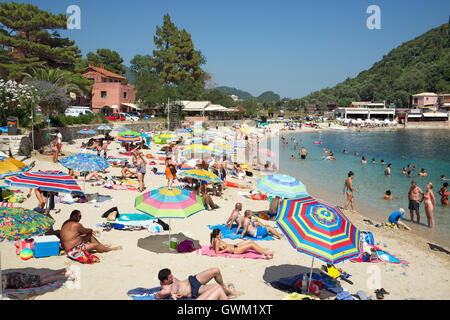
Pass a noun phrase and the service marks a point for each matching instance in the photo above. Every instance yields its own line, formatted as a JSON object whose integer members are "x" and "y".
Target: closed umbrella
{"x": 19, "y": 223}
{"x": 282, "y": 185}
{"x": 169, "y": 204}
{"x": 318, "y": 229}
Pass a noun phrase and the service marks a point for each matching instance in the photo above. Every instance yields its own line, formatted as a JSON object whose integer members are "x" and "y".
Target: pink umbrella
{"x": 267, "y": 152}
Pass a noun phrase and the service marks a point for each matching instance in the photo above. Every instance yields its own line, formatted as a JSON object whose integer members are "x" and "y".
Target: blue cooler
{"x": 46, "y": 246}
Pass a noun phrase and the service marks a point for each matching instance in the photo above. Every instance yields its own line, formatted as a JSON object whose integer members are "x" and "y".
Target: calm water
{"x": 428, "y": 149}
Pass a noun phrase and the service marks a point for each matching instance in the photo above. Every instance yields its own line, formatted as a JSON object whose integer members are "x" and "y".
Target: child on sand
{"x": 396, "y": 216}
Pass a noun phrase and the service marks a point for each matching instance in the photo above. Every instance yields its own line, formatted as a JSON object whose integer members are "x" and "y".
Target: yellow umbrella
{"x": 201, "y": 175}
{"x": 199, "y": 148}
{"x": 10, "y": 167}
{"x": 244, "y": 130}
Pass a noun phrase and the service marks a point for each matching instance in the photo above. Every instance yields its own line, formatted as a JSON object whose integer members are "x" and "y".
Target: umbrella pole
{"x": 1, "y": 279}
{"x": 310, "y": 274}
{"x": 170, "y": 230}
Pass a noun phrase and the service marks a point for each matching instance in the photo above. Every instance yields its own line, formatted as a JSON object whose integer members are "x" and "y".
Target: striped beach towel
{"x": 6, "y": 204}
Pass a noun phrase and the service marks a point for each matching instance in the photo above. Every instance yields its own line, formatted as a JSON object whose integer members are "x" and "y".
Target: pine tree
{"x": 29, "y": 38}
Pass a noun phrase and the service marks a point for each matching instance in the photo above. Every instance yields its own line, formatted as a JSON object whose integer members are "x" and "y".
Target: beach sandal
{"x": 383, "y": 291}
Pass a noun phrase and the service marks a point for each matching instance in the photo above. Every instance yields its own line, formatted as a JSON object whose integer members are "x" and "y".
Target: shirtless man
{"x": 303, "y": 153}
{"x": 74, "y": 235}
{"x": 256, "y": 229}
{"x": 235, "y": 216}
{"x": 195, "y": 287}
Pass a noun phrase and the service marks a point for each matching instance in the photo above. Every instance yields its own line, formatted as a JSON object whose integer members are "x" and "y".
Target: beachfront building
{"x": 110, "y": 92}
{"x": 365, "y": 110}
{"x": 425, "y": 100}
{"x": 444, "y": 101}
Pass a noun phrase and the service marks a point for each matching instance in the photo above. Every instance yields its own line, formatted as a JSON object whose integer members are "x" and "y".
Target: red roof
{"x": 106, "y": 72}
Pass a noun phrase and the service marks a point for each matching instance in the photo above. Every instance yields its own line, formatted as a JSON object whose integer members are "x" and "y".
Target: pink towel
{"x": 209, "y": 251}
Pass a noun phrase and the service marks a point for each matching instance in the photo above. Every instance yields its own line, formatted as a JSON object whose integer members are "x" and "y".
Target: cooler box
{"x": 46, "y": 246}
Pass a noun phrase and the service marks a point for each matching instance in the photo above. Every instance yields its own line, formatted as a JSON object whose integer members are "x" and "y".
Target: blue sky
{"x": 290, "y": 47}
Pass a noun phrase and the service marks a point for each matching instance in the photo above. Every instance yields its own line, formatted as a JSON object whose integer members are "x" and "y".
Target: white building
{"x": 365, "y": 110}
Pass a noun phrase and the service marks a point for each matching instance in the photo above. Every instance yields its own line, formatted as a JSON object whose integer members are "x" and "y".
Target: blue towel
{"x": 229, "y": 234}
{"x": 147, "y": 294}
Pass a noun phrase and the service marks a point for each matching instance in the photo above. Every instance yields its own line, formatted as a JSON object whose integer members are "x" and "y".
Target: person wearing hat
{"x": 396, "y": 216}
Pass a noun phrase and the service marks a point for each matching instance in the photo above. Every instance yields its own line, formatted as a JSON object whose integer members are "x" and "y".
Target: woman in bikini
{"x": 430, "y": 202}
{"x": 444, "y": 194}
{"x": 348, "y": 190}
{"x": 223, "y": 247}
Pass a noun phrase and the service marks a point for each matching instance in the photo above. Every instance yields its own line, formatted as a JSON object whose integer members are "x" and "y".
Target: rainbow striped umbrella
{"x": 164, "y": 203}
{"x": 85, "y": 162}
{"x": 53, "y": 181}
{"x": 282, "y": 185}
{"x": 318, "y": 229}
{"x": 129, "y": 138}
{"x": 199, "y": 148}
{"x": 202, "y": 175}
{"x": 11, "y": 167}
{"x": 129, "y": 133}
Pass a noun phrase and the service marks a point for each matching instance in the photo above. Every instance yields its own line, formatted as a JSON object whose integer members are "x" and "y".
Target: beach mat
{"x": 209, "y": 251}
{"x": 229, "y": 234}
{"x": 147, "y": 294}
{"x": 388, "y": 257}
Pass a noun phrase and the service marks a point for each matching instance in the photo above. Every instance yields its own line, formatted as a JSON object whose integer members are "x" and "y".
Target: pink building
{"x": 109, "y": 92}
{"x": 426, "y": 100}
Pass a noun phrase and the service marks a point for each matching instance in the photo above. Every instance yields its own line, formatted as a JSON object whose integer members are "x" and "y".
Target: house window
{"x": 103, "y": 94}
{"x": 124, "y": 95}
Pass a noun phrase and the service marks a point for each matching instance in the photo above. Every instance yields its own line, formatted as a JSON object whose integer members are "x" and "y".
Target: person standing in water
{"x": 430, "y": 202}
{"x": 413, "y": 197}
{"x": 348, "y": 190}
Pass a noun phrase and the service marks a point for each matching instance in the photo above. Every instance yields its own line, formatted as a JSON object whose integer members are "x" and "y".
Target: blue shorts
{"x": 261, "y": 232}
{"x": 195, "y": 286}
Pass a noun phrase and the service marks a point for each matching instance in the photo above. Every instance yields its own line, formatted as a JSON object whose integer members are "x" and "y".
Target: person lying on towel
{"x": 20, "y": 280}
{"x": 223, "y": 247}
{"x": 256, "y": 229}
{"x": 195, "y": 286}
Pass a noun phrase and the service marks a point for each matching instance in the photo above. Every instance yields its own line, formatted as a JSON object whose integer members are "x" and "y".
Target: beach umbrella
{"x": 19, "y": 223}
{"x": 129, "y": 133}
{"x": 52, "y": 181}
{"x": 267, "y": 152}
{"x": 104, "y": 128}
{"x": 128, "y": 138}
{"x": 318, "y": 229}
{"x": 165, "y": 203}
{"x": 282, "y": 185}
{"x": 202, "y": 175}
{"x": 87, "y": 131}
{"x": 199, "y": 148}
{"x": 85, "y": 162}
{"x": 10, "y": 167}
{"x": 185, "y": 167}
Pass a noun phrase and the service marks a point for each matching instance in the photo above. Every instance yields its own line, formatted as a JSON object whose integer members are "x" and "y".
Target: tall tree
{"x": 110, "y": 59}
{"x": 29, "y": 38}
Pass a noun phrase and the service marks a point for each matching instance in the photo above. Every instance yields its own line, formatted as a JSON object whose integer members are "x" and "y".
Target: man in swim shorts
{"x": 413, "y": 197}
{"x": 195, "y": 286}
{"x": 303, "y": 153}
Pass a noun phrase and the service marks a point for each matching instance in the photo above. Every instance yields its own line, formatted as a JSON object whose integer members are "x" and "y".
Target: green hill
{"x": 242, "y": 95}
{"x": 269, "y": 96}
{"x": 419, "y": 65}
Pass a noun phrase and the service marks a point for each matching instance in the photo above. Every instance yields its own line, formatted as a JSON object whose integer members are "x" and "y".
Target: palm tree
{"x": 62, "y": 78}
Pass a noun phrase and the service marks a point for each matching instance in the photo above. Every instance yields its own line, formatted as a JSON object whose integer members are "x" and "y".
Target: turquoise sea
{"x": 424, "y": 148}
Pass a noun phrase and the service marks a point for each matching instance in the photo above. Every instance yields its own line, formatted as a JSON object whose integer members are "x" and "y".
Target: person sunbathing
{"x": 196, "y": 287}
{"x": 235, "y": 216}
{"x": 256, "y": 229}
{"x": 75, "y": 236}
{"x": 222, "y": 247}
{"x": 127, "y": 173}
{"x": 20, "y": 280}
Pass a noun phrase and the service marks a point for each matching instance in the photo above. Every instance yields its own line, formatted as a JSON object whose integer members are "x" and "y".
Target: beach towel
{"x": 209, "y": 251}
{"x": 6, "y": 204}
{"x": 147, "y": 294}
{"x": 53, "y": 285}
{"x": 288, "y": 284}
{"x": 298, "y": 296}
{"x": 384, "y": 256}
{"x": 82, "y": 256}
{"x": 229, "y": 234}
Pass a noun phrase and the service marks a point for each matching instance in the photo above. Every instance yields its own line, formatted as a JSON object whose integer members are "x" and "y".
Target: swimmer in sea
{"x": 423, "y": 173}
{"x": 363, "y": 160}
{"x": 292, "y": 157}
{"x": 388, "y": 195}
{"x": 373, "y": 161}
{"x": 404, "y": 172}
{"x": 382, "y": 162}
{"x": 409, "y": 174}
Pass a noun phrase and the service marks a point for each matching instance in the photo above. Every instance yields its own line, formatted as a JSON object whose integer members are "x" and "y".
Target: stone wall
{"x": 15, "y": 146}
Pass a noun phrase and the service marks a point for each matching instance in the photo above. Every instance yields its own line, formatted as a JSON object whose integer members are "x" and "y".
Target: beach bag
{"x": 186, "y": 246}
{"x": 249, "y": 173}
{"x": 111, "y": 211}
{"x": 367, "y": 237}
{"x": 163, "y": 224}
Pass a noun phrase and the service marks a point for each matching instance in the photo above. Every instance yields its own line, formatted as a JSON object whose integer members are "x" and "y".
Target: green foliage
{"x": 251, "y": 107}
{"x": 63, "y": 120}
{"x": 242, "y": 95}
{"x": 111, "y": 60}
{"x": 269, "y": 96}
{"x": 419, "y": 65}
{"x": 29, "y": 38}
{"x": 218, "y": 97}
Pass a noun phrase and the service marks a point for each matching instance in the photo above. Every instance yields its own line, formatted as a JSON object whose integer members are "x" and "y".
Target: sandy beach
{"x": 137, "y": 265}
